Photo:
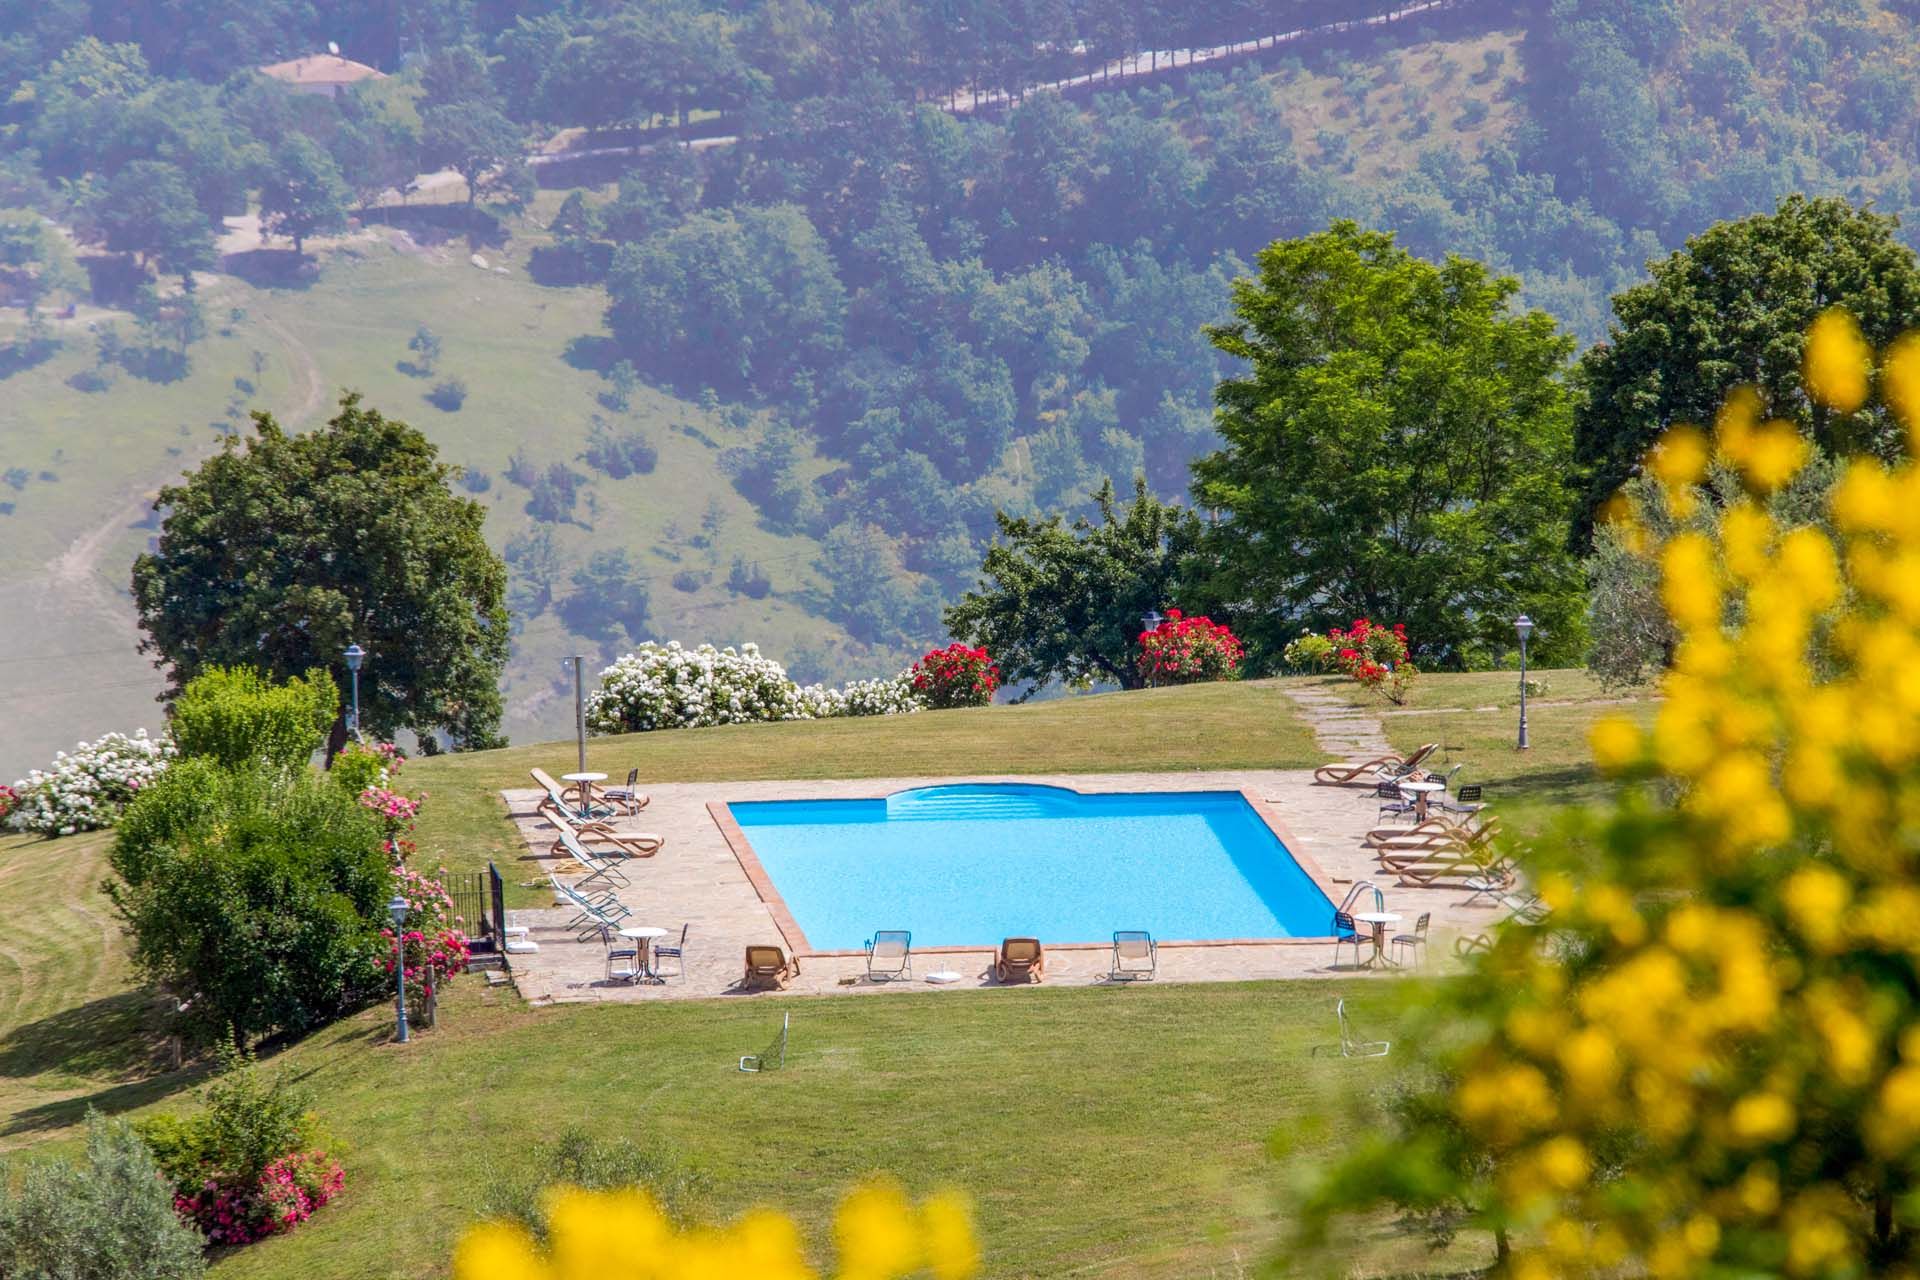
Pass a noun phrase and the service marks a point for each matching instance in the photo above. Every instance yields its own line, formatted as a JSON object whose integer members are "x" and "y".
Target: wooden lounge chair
{"x": 1483, "y": 876}
{"x": 1438, "y": 829}
{"x": 890, "y": 955}
{"x": 1369, "y": 772}
{"x": 1438, "y": 835}
{"x": 1020, "y": 960}
{"x": 625, "y": 844}
{"x": 627, "y": 799}
{"x": 768, "y": 968}
{"x": 1135, "y": 956}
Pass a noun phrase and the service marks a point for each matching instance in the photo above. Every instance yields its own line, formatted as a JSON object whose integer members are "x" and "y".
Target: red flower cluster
{"x": 435, "y": 943}
{"x": 9, "y": 800}
{"x": 286, "y": 1195}
{"x": 1376, "y": 657}
{"x": 1183, "y": 650}
{"x": 956, "y": 676}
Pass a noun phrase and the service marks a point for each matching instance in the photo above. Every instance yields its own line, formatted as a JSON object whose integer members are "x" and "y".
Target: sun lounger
{"x": 1437, "y": 830}
{"x": 598, "y": 868}
{"x": 601, "y": 913}
{"x": 1135, "y": 956}
{"x": 768, "y": 967}
{"x": 1438, "y": 835}
{"x": 1350, "y": 1045}
{"x": 890, "y": 954}
{"x": 1020, "y": 960}
{"x": 1483, "y": 876}
{"x": 1369, "y": 772}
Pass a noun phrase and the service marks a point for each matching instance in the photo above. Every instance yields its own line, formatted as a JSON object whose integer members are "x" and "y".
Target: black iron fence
{"x": 479, "y": 899}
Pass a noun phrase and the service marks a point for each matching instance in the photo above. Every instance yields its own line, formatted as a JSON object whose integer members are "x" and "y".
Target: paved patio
{"x": 697, "y": 880}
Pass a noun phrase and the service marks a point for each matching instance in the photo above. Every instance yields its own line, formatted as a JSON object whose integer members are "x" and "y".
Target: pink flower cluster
{"x": 956, "y": 676}
{"x": 286, "y": 1194}
{"x": 1376, "y": 657}
{"x": 1184, "y": 650}
{"x": 9, "y": 800}
{"x": 435, "y": 943}
{"x": 398, "y": 810}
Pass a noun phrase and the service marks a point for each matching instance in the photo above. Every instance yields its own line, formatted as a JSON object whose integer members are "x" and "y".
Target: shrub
{"x": 1184, "y": 650}
{"x": 620, "y": 456}
{"x": 1311, "y": 652}
{"x": 108, "y": 1217}
{"x": 256, "y": 895}
{"x": 1376, "y": 657}
{"x": 956, "y": 676}
{"x": 235, "y": 715}
{"x": 360, "y": 765}
{"x": 87, "y": 788}
{"x": 448, "y": 396}
{"x": 748, "y": 580}
{"x": 247, "y": 1166}
{"x": 435, "y": 940}
{"x": 578, "y": 1158}
{"x": 9, "y": 800}
{"x": 670, "y": 687}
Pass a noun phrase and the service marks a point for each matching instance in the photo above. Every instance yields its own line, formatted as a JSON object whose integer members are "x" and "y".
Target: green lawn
{"x": 1102, "y": 1132}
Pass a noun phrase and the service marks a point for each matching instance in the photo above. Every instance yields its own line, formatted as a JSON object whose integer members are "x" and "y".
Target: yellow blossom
{"x": 1816, "y": 899}
{"x": 1615, "y": 741}
{"x": 1680, "y": 457}
{"x": 1838, "y": 361}
{"x": 876, "y": 1234}
{"x": 1900, "y": 382}
{"x": 1759, "y": 1118}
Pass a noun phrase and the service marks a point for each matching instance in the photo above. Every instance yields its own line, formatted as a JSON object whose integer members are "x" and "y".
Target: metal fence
{"x": 479, "y": 899}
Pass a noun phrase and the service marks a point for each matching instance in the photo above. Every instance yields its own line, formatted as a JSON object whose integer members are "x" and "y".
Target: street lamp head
{"x": 355, "y": 656}
{"x": 1151, "y": 620}
{"x": 397, "y": 908}
{"x": 1524, "y": 625}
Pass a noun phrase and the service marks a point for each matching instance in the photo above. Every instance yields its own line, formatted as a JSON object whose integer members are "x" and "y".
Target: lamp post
{"x": 580, "y": 711}
{"x": 1524, "y": 625}
{"x": 397, "y": 908}
{"x": 1151, "y": 619}
{"x": 355, "y": 656}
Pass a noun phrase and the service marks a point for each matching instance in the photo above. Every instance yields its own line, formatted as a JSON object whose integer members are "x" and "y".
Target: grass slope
{"x": 71, "y": 670}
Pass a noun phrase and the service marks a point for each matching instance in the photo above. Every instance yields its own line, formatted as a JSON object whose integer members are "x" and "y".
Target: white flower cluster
{"x": 671, "y": 687}
{"x": 86, "y": 788}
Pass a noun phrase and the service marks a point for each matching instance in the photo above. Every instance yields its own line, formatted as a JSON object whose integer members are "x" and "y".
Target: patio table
{"x": 1379, "y": 920}
{"x": 583, "y": 786}
{"x": 1420, "y": 791}
{"x": 642, "y": 937}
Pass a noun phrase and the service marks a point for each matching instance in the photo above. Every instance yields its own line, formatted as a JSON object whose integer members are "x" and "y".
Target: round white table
{"x": 1379, "y": 920}
{"x": 583, "y": 786}
{"x": 1420, "y": 791}
{"x": 642, "y": 937}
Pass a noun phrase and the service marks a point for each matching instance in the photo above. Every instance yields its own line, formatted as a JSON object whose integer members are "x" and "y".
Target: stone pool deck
{"x": 697, "y": 880}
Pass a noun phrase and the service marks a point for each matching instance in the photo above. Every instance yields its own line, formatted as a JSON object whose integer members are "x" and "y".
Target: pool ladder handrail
{"x": 1379, "y": 899}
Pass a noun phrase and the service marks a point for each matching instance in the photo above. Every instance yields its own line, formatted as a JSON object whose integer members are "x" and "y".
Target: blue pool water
{"x": 969, "y": 865}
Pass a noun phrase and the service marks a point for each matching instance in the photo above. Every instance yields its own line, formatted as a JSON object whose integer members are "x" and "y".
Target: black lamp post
{"x": 397, "y": 908}
{"x": 1524, "y": 625}
{"x": 355, "y": 656}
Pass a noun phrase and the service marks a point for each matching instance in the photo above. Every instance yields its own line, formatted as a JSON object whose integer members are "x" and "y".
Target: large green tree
{"x": 1060, "y": 601}
{"x": 148, "y": 209}
{"x": 1396, "y": 449}
{"x": 1733, "y": 308}
{"x": 279, "y": 553}
{"x": 304, "y": 194}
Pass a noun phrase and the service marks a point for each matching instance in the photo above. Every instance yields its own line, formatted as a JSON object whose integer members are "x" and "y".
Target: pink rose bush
{"x": 433, "y": 943}
{"x": 287, "y": 1193}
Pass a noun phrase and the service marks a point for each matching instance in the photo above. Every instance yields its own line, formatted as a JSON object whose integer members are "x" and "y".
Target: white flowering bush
{"x": 86, "y": 788}
{"x": 667, "y": 686}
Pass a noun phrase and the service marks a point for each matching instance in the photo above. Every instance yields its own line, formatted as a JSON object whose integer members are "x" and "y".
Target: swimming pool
{"x": 967, "y": 865}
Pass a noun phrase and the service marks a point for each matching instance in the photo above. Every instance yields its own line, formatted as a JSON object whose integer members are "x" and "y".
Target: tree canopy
{"x": 1395, "y": 450}
{"x": 279, "y": 552}
{"x": 1060, "y": 601}
{"x": 1733, "y": 308}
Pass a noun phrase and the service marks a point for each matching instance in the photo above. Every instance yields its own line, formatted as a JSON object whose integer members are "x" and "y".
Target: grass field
{"x": 1102, "y": 1132}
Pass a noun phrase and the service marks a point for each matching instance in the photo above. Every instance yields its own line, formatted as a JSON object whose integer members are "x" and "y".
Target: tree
{"x": 1396, "y": 451}
{"x": 609, "y": 598}
{"x": 1731, "y": 308}
{"x": 279, "y": 553}
{"x": 304, "y": 194}
{"x": 1065, "y": 602}
{"x": 147, "y": 209}
{"x": 474, "y": 139}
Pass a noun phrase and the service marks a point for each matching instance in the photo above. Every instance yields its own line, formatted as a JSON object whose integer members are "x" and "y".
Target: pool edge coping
{"x": 796, "y": 939}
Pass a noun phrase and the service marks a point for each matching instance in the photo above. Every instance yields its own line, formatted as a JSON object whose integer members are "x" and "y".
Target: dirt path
{"x": 1343, "y": 731}
{"x": 307, "y": 373}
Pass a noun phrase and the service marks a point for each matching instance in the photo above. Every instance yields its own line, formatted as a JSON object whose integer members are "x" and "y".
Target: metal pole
{"x": 400, "y": 980}
{"x": 355, "y": 726}
{"x": 580, "y": 708}
{"x": 1523, "y": 692}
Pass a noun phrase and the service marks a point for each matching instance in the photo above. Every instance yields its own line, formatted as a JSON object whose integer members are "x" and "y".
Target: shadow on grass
{"x": 114, "y": 1036}
{"x": 115, "y": 1100}
{"x": 272, "y": 268}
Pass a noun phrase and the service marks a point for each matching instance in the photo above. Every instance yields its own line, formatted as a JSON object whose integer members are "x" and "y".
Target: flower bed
{"x": 667, "y": 686}
{"x": 1184, "y": 650}
{"x": 434, "y": 943}
{"x": 285, "y": 1195}
{"x": 86, "y": 788}
{"x": 956, "y": 676}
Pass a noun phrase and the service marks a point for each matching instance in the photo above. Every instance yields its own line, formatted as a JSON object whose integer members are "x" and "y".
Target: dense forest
{"x": 934, "y": 292}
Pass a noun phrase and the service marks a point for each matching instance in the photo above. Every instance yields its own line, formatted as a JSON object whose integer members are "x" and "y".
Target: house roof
{"x": 321, "y": 68}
